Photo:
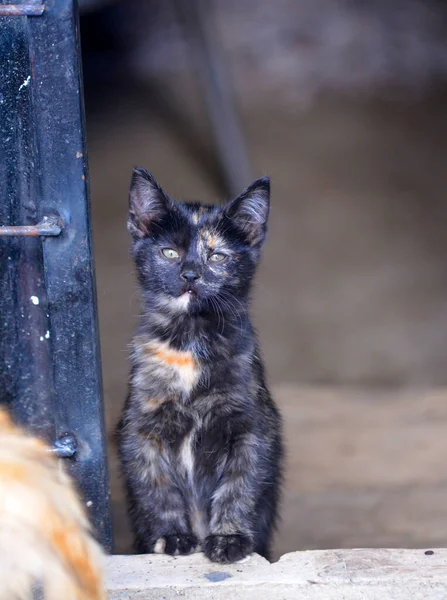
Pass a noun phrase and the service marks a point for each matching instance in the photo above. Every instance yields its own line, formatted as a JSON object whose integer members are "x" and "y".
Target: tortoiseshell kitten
{"x": 200, "y": 437}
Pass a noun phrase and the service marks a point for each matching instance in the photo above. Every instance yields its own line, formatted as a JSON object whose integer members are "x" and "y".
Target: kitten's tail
{"x": 45, "y": 537}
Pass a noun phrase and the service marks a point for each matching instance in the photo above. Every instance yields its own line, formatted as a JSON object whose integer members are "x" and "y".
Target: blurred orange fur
{"x": 45, "y": 536}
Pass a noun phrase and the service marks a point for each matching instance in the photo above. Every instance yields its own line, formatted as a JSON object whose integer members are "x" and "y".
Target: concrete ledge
{"x": 316, "y": 575}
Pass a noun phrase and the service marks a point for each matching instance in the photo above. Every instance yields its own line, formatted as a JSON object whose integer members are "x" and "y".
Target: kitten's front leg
{"x": 156, "y": 506}
{"x": 233, "y": 502}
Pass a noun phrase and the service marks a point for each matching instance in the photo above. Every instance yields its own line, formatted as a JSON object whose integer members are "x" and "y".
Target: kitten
{"x": 200, "y": 436}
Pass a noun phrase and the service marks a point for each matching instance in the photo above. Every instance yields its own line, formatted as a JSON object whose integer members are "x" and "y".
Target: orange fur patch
{"x": 151, "y": 437}
{"x": 176, "y": 359}
{"x": 71, "y": 547}
{"x": 154, "y": 403}
{"x": 182, "y": 368}
{"x": 173, "y": 358}
{"x": 44, "y": 531}
{"x": 5, "y": 420}
{"x": 209, "y": 238}
{"x": 14, "y": 471}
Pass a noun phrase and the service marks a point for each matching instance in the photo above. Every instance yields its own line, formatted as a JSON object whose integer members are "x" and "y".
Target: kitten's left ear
{"x": 250, "y": 210}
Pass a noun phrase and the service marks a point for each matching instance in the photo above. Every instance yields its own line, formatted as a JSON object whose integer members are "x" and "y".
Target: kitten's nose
{"x": 190, "y": 276}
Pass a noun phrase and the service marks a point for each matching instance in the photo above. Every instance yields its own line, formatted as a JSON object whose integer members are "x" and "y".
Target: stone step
{"x": 318, "y": 575}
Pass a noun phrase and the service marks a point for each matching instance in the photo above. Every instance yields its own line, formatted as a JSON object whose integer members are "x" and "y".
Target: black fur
{"x": 200, "y": 437}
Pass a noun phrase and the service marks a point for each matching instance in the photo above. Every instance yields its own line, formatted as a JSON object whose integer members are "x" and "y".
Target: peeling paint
{"x": 25, "y": 83}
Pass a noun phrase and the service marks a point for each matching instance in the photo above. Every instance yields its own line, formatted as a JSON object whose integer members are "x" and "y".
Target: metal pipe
{"x": 49, "y": 226}
{"x": 30, "y": 9}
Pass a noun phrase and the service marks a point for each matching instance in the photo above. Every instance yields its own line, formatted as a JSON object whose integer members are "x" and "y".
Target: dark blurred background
{"x": 343, "y": 104}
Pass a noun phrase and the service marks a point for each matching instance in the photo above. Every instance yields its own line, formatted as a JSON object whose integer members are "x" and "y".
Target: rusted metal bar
{"x": 49, "y": 226}
{"x": 31, "y": 9}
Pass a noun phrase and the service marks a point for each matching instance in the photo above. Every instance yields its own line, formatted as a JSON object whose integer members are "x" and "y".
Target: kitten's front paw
{"x": 180, "y": 543}
{"x": 227, "y": 548}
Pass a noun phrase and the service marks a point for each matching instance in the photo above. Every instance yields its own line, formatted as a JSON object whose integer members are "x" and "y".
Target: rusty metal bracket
{"x": 29, "y": 9}
{"x": 50, "y": 225}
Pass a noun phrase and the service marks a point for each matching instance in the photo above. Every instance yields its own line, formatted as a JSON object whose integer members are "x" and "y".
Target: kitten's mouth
{"x": 190, "y": 292}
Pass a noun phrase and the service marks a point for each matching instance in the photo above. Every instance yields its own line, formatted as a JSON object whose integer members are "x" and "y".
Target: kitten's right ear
{"x": 250, "y": 210}
{"x": 147, "y": 203}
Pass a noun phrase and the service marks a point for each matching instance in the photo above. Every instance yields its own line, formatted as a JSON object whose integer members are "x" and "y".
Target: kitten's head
{"x": 190, "y": 255}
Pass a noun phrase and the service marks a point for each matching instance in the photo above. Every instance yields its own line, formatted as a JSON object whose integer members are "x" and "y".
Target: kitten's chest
{"x": 159, "y": 365}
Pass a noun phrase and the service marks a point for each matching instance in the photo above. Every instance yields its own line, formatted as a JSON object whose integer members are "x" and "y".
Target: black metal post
{"x": 26, "y": 381}
{"x": 50, "y": 369}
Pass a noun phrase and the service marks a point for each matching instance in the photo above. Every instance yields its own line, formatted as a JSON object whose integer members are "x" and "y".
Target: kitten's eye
{"x": 170, "y": 253}
{"x": 217, "y": 257}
